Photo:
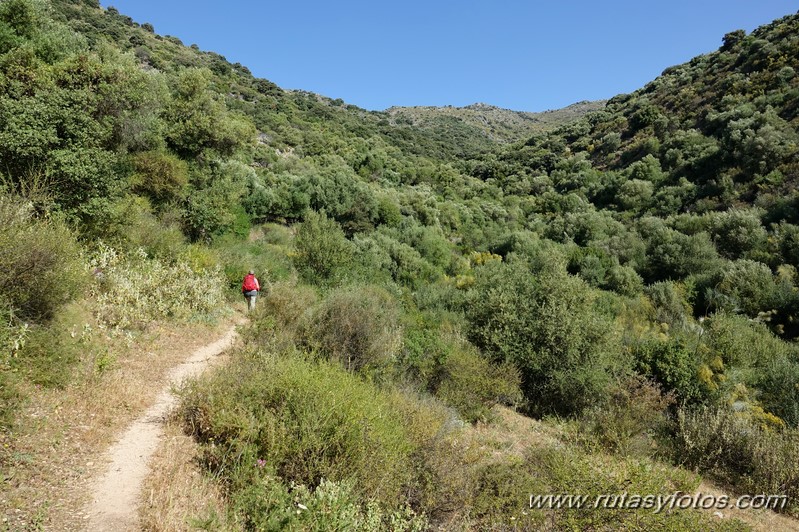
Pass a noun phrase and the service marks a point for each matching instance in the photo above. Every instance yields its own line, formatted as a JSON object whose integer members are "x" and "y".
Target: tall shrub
{"x": 323, "y": 252}
{"x": 40, "y": 261}
{"x": 548, "y": 326}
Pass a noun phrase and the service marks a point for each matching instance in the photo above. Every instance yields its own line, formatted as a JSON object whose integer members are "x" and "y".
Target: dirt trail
{"x": 116, "y": 492}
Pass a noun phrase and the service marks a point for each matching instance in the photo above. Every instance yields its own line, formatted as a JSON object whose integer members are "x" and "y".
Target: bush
{"x": 738, "y": 233}
{"x": 269, "y": 262}
{"x": 670, "y": 301}
{"x": 214, "y": 211}
{"x": 13, "y": 336}
{"x": 288, "y": 304}
{"x": 468, "y": 382}
{"x": 745, "y": 286}
{"x": 623, "y": 280}
{"x": 549, "y": 327}
{"x": 40, "y": 262}
{"x": 436, "y": 358}
{"x": 500, "y": 496}
{"x": 132, "y": 290}
{"x": 744, "y": 343}
{"x": 306, "y": 423}
{"x": 674, "y": 255}
{"x": 159, "y": 175}
{"x": 323, "y": 252}
{"x": 628, "y": 421}
{"x": 357, "y": 326}
{"x": 405, "y": 265}
{"x": 778, "y": 382}
{"x": 267, "y": 504}
{"x": 673, "y": 365}
{"x": 571, "y": 471}
{"x": 133, "y": 225}
{"x": 734, "y": 448}
{"x": 279, "y": 316}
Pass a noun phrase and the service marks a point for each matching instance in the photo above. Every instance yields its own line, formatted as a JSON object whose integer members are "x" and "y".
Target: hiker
{"x": 250, "y": 287}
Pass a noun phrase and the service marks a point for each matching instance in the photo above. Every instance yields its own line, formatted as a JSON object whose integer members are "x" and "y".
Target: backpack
{"x": 249, "y": 283}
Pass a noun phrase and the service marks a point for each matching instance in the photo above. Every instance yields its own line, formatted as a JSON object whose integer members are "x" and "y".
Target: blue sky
{"x": 523, "y": 55}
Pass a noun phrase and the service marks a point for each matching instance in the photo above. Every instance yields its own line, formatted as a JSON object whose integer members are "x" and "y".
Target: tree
{"x": 548, "y": 327}
{"x": 198, "y": 119}
{"x": 323, "y": 252}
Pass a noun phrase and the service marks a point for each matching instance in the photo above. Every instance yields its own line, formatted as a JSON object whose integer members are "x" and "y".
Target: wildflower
{"x": 261, "y": 463}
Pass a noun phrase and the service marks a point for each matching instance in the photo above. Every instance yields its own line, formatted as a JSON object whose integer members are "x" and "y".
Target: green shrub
{"x": 549, "y": 327}
{"x": 673, "y": 365}
{"x": 288, "y": 303}
{"x": 741, "y": 342}
{"x": 443, "y": 480}
{"x": 40, "y": 262}
{"x": 269, "y": 262}
{"x": 10, "y": 397}
{"x": 404, "y": 263}
{"x": 778, "y": 383}
{"x": 468, "y": 382}
{"x": 424, "y": 348}
{"x": 436, "y": 358}
{"x": 133, "y": 225}
{"x": 279, "y": 316}
{"x": 670, "y": 302}
{"x": 159, "y": 175}
{"x": 214, "y": 210}
{"x": 306, "y": 423}
{"x": 628, "y": 421}
{"x": 674, "y": 255}
{"x": 47, "y": 358}
{"x": 323, "y": 252}
{"x": 737, "y": 233}
{"x": 745, "y": 286}
{"x": 13, "y": 336}
{"x": 736, "y": 449}
{"x": 571, "y": 471}
{"x": 267, "y": 504}
{"x": 47, "y": 354}
{"x": 501, "y": 496}
{"x": 357, "y": 326}
{"x": 623, "y": 280}
{"x": 760, "y": 360}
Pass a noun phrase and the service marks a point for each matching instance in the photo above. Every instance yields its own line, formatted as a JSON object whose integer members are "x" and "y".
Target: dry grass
{"x": 58, "y": 444}
{"x": 761, "y": 520}
{"x": 177, "y": 496}
{"x": 510, "y": 433}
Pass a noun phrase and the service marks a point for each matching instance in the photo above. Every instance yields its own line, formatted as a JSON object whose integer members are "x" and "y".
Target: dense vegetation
{"x": 633, "y": 272}
{"x": 494, "y": 124}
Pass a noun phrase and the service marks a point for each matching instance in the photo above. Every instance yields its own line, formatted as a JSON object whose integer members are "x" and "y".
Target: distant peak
{"x": 480, "y": 106}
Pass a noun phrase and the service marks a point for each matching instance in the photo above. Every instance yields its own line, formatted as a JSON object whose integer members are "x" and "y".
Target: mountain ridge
{"x": 495, "y": 123}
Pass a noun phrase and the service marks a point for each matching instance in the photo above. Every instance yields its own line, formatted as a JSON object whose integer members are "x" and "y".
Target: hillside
{"x": 493, "y": 123}
{"x": 628, "y": 280}
{"x": 716, "y": 132}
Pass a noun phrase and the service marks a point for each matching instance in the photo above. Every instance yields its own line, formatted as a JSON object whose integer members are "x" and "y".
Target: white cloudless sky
{"x": 523, "y": 55}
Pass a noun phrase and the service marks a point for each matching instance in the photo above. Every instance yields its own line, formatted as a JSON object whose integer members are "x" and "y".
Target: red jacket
{"x": 250, "y": 283}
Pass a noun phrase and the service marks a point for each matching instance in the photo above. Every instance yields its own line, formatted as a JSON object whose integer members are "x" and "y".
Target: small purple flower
{"x": 261, "y": 463}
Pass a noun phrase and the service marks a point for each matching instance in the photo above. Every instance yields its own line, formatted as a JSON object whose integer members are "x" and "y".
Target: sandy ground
{"x": 116, "y": 492}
